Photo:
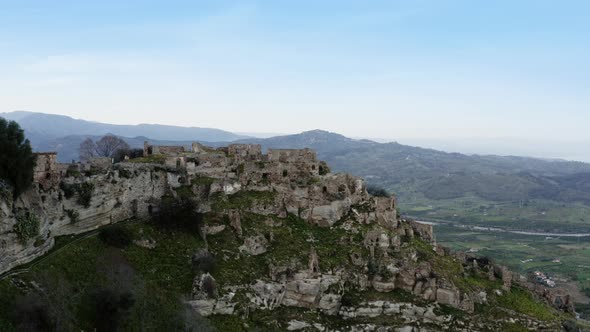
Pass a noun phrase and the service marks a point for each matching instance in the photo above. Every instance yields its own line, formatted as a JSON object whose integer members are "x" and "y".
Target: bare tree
{"x": 87, "y": 149}
{"x": 107, "y": 146}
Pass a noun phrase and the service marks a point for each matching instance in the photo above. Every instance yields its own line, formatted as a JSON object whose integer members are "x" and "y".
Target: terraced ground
{"x": 515, "y": 251}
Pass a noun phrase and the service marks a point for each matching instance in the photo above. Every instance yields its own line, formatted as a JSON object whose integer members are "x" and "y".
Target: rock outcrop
{"x": 308, "y": 240}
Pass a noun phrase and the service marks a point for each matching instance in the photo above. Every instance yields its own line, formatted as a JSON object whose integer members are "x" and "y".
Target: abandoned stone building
{"x": 47, "y": 171}
{"x": 292, "y": 155}
{"x": 245, "y": 152}
{"x": 149, "y": 150}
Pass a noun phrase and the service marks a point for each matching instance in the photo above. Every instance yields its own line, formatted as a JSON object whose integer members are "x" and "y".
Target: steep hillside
{"x": 278, "y": 244}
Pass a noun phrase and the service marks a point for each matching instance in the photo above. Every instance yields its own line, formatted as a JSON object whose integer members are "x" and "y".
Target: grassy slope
{"x": 163, "y": 275}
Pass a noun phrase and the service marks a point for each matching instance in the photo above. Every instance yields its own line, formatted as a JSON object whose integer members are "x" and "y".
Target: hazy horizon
{"x": 573, "y": 150}
{"x": 453, "y": 71}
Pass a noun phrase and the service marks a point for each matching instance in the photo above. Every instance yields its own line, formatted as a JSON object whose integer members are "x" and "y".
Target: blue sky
{"x": 401, "y": 70}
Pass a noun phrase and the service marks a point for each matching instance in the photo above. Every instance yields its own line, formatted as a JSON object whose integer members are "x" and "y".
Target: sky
{"x": 409, "y": 71}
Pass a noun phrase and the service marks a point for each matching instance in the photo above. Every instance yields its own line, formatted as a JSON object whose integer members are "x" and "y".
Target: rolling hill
{"x": 40, "y": 127}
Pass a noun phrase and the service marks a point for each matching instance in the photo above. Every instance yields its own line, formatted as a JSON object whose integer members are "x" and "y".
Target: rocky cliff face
{"x": 285, "y": 234}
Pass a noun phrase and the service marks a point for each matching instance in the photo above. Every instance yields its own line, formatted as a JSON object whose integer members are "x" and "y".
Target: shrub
{"x": 124, "y": 173}
{"x": 107, "y": 308}
{"x": 324, "y": 168}
{"x": 73, "y": 171}
{"x": 73, "y": 215}
{"x": 116, "y": 236}
{"x": 203, "y": 261}
{"x": 178, "y": 213}
{"x": 240, "y": 169}
{"x": 32, "y": 313}
{"x": 85, "y": 193}
{"x": 5, "y": 191}
{"x": 27, "y": 226}
{"x": 68, "y": 189}
{"x": 378, "y": 191}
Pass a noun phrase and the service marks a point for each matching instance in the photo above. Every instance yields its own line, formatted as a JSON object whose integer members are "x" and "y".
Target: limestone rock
{"x": 296, "y": 325}
{"x": 447, "y": 296}
{"x": 235, "y": 221}
{"x": 214, "y": 229}
{"x": 254, "y": 245}
{"x": 330, "y": 303}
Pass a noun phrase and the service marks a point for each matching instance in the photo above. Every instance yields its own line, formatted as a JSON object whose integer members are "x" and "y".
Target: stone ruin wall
{"x": 47, "y": 170}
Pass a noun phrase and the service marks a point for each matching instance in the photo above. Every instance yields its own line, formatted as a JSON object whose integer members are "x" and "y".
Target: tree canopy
{"x": 107, "y": 146}
{"x": 17, "y": 160}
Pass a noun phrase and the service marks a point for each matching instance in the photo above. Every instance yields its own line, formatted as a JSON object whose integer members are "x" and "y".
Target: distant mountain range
{"x": 424, "y": 179}
{"x": 41, "y": 127}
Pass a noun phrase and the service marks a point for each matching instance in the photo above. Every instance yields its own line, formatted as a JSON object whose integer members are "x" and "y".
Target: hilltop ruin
{"x": 369, "y": 249}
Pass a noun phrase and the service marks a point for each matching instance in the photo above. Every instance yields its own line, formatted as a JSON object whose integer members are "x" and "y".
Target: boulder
{"x": 254, "y": 245}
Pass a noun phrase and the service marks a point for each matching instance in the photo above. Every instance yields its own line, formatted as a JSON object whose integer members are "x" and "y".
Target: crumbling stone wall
{"x": 149, "y": 150}
{"x": 47, "y": 171}
{"x": 245, "y": 152}
{"x": 292, "y": 155}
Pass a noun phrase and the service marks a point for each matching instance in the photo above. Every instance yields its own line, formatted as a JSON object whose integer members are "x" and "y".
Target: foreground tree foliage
{"x": 179, "y": 213}
{"x": 17, "y": 160}
{"x": 378, "y": 191}
{"x": 32, "y": 313}
{"x": 107, "y": 146}
{"x": 116, "y": 236}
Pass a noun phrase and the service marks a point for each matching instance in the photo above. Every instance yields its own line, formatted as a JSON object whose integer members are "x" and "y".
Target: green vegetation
{"x": 73, "y": 172}
{"x": 17, "y": 160}
{"x": 154, "y": 281}
{"x": 116, "y": 236}
{"x": 5, "y": 191}
{"x": 84, "y": 191}
{"x": 377, "y": 191}
{"x": 73, "y": 215}
{"x": 179, "y": 213}
{"x": 521, "y": 301}
{"x": 324, "y": 168}
{"x": 68, "y": 189}
{"x": 27, "y": 226}
{"x": 153, "y": 159}
{"x": 201, "y": 180}
{"x": 242, "y": 199}
{"x": 525, "y": 254}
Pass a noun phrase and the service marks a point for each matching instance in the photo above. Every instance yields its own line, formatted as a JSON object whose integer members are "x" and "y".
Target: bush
{"x": 73, "y": 215}
{"x": 17, "y": 160}
{"x": 178, "y": 213}
{"x": 203, "y": 261}
{"x": 27, "y": 226}
{"x": 68, "y": 189}
{"x": 32, "y": 313}
{"x": 85, "y": 193}
{"x": 116, "y": 236}
{"x": 73, "y": 171}
{"x": 378, "y": 191}
{"x": 324, "y": 168}
{"x": 131, "y": 153}
{"x": 107, "y": 308}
